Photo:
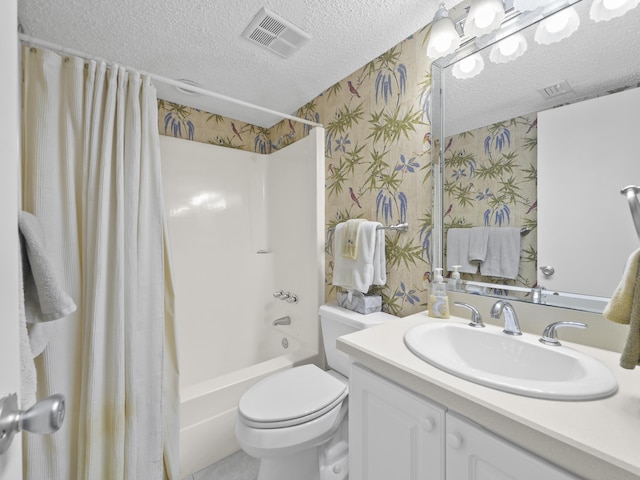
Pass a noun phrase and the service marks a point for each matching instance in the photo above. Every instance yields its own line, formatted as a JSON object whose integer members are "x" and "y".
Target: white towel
{"x": 44, "y": 299}
{"x": 458, "y": 250}
{"x": 478, "y": 242}
{"x": 28, "y": 375}
{"x": 361, "y": 273}
{"x": 350, "y": 238}
{"x": 379, "y": 258}
{"x": 503, "y": 253}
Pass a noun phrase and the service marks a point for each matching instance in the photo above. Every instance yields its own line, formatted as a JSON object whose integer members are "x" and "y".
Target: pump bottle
{"x": 438, "y": 300}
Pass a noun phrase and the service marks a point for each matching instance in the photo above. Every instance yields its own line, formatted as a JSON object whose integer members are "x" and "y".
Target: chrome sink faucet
{"x": 511, "y": 325}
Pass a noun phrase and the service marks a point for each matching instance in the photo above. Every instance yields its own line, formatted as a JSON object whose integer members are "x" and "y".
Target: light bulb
{"x": 603, "y": 10}
{"x": 468, "y": 67}
{"x": 557, "y": 27}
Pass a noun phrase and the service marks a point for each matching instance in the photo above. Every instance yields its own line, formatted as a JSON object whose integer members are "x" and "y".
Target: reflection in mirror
{"x": 491, "y": 139}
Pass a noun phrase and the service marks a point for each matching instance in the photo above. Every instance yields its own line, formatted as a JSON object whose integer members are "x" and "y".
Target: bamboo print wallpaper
{"x": 377, "y": 158}
{"x": 378, "y": 167}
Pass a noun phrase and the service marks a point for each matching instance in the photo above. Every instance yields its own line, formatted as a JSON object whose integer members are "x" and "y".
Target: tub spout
{"x": 282, "y": 321}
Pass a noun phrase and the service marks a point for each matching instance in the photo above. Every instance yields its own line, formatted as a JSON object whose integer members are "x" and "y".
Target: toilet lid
{"x": 291, "y": 397}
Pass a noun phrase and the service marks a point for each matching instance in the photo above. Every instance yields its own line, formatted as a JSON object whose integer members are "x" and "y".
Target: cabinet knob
{"x": 454, "y": 440}
{"x": 428, "y": 424}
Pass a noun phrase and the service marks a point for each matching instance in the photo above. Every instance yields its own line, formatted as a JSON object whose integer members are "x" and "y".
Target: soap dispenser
{"x": 438, "y": 300}
{"x": 455, "y": 284}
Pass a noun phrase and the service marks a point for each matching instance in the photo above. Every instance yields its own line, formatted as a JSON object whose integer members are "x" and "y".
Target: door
{"x": 11, "y": 461}
{"x": 587, "y": 152}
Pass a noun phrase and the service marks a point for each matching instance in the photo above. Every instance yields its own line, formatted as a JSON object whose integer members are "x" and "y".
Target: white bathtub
{"x": 208, "y": 409}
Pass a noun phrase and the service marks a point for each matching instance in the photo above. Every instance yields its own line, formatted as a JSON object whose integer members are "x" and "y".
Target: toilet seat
{"x": 291, "y": 397}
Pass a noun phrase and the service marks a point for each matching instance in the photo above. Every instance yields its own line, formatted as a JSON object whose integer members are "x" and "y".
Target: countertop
{"x": 596, "y": 439}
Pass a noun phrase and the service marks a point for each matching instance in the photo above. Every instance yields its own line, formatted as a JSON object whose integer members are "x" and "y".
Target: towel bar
{"x": 631, "y": 192}
{"x": 400, "y": 227}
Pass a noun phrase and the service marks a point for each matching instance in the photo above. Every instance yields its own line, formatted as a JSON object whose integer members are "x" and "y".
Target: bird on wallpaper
{"x": 235, "y": 130}
{"x": 448, "y": 210}
{"x": 291, "y": 129}
{"x": 448, "y": 145}
{"x": 426, "y": 278}
{"x": 427, "y": 138}
{"x": 352, "y": 89}
{"x": 534, "y": 124}
{"x": 533, "y": 206}
{"x": 332, "y": 170}
{"x": 354, "y": 198}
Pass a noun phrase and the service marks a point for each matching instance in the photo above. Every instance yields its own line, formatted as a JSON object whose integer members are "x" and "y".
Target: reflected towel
{"x": 358, "y": 274}
{"x": 478, "y": 243}
{"x": 624, "y": 307}
{"x": 458, "y": 250}
{"x": 350, "y": 241}
{"x": 503, "y": 253}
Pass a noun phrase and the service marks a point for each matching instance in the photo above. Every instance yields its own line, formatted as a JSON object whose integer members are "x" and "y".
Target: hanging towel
{"x": 478, "y": 242}
{"x": 624, "y": 308}
{"x": 358, "y": 274}
{"x": 503, "y": 253}
{"x": 458, "y": 250}
{"x": 379, "y": 259}
{"x": 350, "y": 245}
{"x": 618, "y": 309}
{"x": 44, "y": 299}
{"x": 28, "y": 375}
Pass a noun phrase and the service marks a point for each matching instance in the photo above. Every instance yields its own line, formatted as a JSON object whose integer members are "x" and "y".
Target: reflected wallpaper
{"x": 490, "y": 181}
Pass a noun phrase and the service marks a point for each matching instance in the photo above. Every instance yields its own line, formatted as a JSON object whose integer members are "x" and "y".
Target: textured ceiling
{"x": 599, "y": 57}
{"x": 200, "y": 40}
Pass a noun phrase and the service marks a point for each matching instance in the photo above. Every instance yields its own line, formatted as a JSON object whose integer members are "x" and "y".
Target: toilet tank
{"x": 337, "y": 321}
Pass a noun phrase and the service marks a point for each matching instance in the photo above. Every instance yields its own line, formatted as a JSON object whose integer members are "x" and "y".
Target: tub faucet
{"x": 511, "y": 325}
{"x": 282, "y": 321}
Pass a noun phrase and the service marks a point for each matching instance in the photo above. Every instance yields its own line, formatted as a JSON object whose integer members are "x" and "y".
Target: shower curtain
{"x": 91, "y": 174}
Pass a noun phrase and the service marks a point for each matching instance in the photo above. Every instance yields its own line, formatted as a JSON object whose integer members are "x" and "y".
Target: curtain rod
{"x": 36, "y": 42}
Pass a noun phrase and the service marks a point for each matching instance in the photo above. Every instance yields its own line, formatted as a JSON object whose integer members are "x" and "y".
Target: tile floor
{"x": 238, "y": 466}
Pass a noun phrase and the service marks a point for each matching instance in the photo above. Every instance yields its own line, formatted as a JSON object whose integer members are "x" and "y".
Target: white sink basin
{"x": 519, "y": 365}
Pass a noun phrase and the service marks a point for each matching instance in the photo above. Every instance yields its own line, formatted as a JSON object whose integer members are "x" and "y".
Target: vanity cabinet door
{"x": 473, "y": 453}
{"x": 394, "y": 434}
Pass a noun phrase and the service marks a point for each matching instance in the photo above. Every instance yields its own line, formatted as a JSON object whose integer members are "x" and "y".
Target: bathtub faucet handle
{"x": 281, "y": 294}
{"x": 292, "y": 298}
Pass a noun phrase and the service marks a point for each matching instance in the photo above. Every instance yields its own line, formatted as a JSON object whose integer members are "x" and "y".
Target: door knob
{"x": 45, "y": 417}
{"x": 547, "y": 270}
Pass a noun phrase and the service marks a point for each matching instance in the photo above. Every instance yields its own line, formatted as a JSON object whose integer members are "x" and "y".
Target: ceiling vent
{"x": 556, "y": 89}
{"x": 275, "y": 33}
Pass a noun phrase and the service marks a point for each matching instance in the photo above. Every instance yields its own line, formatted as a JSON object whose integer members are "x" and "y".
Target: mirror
{"x": 487, "y": 128}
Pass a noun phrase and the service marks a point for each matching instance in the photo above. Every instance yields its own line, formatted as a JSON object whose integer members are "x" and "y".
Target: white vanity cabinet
{"x": 400, "y": 435}
{"x": 473, "y": 453}
{"x": 394, "y": 434}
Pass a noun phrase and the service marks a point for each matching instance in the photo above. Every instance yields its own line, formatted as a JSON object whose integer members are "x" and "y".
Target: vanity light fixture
{"x": 468, "y": 67}
{"x": 508, "y": 48}
{"x": 603, "y": 10}
{"x": 484, "y": 17}
{"x": 557, "y": 27}
{"x": 444, "y": 38}
{"x": 528, "y": 5}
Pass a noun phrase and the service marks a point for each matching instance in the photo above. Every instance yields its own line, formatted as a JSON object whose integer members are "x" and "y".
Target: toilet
{"x": 295, "y": 421}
